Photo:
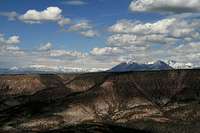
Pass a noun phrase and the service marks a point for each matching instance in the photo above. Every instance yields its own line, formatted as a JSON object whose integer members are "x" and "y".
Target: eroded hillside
{"x": 154, "y": 101}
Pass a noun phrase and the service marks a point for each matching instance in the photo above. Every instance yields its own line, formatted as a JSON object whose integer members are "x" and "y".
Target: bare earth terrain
{"x": 132, "y": 102}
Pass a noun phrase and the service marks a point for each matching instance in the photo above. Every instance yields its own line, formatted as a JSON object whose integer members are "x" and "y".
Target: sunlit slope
{"x": 139, "y": 100}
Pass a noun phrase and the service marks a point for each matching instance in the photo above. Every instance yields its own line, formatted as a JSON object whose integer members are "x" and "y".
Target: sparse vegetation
{"x": 157, "y": 102}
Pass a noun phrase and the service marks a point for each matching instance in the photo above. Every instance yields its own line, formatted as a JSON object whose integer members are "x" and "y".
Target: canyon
{"x": 165, "y": 101}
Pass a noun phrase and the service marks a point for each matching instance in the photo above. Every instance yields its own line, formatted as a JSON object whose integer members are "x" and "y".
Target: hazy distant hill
{"x": 47, "y": 70}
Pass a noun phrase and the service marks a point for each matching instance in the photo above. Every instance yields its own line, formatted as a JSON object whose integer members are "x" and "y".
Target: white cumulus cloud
{"x": 65, "y": 53}
{"x": 176, "y": 6}
{"x": 89, "y": 33}
{"x": 64, "y": 21}
{"x": 165, "y": 31}
{"x": 49, "y": 14}
{"x": 84, "y": 28}
{"x": 8, "y": 46}
{"x": 105, "y": 51}
{"x": 10, "y": 41}
{"x": 45, "y": 47}
{"x": 80, "y": 26}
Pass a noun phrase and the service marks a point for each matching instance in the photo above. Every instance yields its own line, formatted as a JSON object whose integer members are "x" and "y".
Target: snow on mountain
{"x": 124, "y": 67}
{"x": 14, "y": 68}
{"x": 179, "y": 65}
{"x": 159, "y": 65}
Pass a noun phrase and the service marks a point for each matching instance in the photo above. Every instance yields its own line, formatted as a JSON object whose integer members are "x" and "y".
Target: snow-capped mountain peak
{"x": 124, "y": 67}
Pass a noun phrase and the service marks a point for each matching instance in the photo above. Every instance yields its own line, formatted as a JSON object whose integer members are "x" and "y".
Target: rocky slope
{"x": 154, "y": 101}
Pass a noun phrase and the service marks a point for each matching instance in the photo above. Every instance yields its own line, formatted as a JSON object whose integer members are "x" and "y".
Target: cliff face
{"x": 154, "y": 101}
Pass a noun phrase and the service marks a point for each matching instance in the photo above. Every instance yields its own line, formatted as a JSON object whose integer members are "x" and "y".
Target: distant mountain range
{"x": 122, "y": 67}
{"x": 35, "y": 69}
{"x": 132, "y": 66}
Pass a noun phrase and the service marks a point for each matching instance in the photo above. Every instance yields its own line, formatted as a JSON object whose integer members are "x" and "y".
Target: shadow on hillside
{"x": 96, "y": 128}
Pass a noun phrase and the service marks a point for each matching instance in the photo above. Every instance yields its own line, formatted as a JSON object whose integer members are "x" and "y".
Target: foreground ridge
{"x": 149, "y": 101}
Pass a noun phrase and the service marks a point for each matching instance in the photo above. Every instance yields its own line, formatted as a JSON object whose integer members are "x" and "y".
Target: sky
{"x": 98, "y": 33}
